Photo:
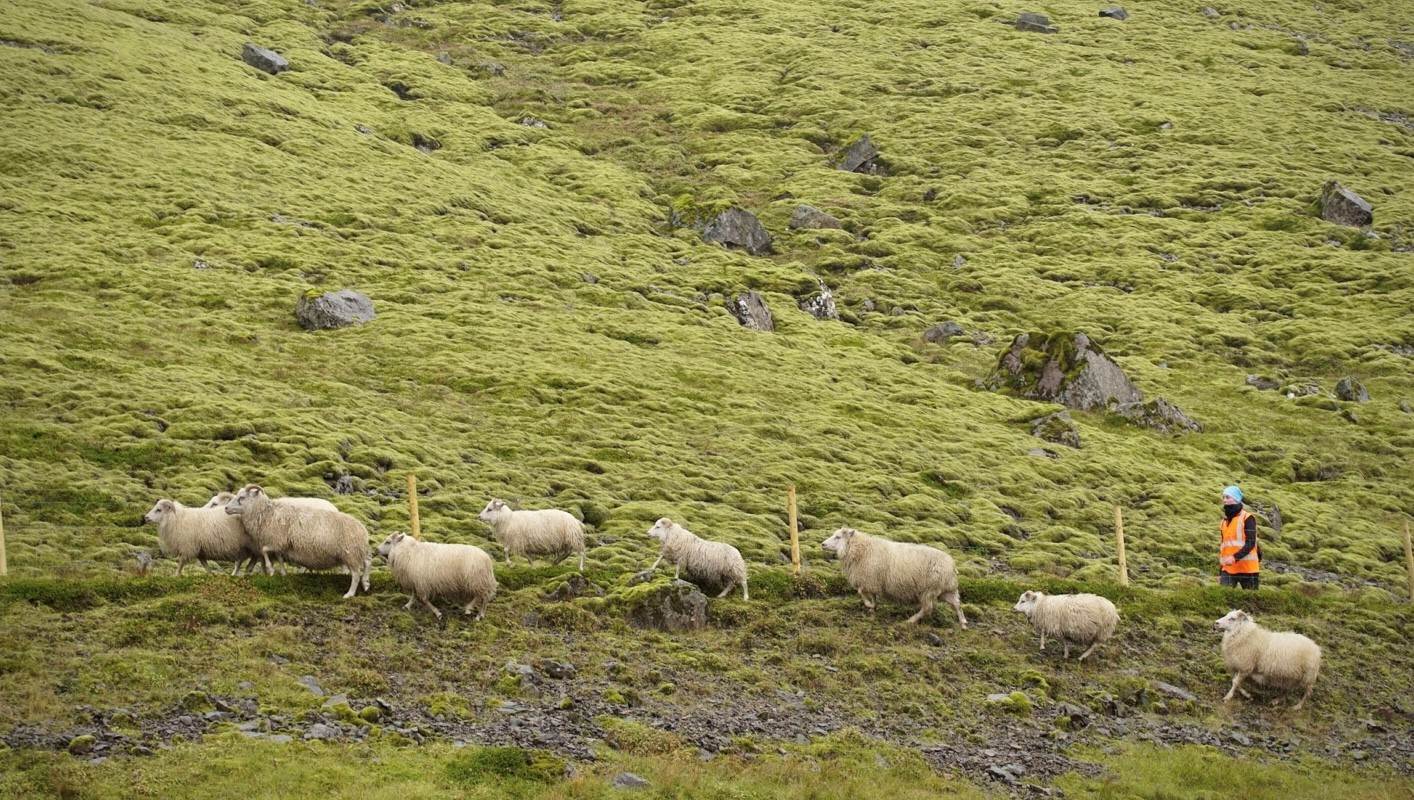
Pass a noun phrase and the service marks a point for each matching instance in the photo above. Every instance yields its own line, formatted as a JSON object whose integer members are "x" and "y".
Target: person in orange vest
{"x": 1239, "y": 558}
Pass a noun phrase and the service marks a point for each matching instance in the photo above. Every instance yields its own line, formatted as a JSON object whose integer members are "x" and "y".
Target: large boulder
{"x": 676, "y": 607}
{"x": 333, "y": 309}
{"x": 1063, "y": 368}
{"x": 739, "y": 228}
{"x": 861, "y": 156}
{"x": 821, "y": 304}
{"x": 263, "y": 59}
{"x": 811, "y": 218}
{"x": 751, "y": 311}
{"x": 1351, "y": 390}
{"x": 1344, "y": 207}
{"x": 1035, "y": 23}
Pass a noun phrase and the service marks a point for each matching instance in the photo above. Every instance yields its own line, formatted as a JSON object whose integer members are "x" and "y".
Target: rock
{"x": 812, "y": 218}
{"x": 1210, "y": 12}
{"x": 861, "y": 156}
{"x": 371, "y": 714}
{"x": 1063, "y": 368}
{"x": 628, "y": 780}
{"x": 199, "y": 264}
{"x": 493, "y": 68}
{"x": 589, "y": 278}
{"x": 1159, "y": 414}
{"x": 281, "y": 738}
{"x": 336, "y": 700}
{"x": 1176, "y": 691}
{"x": 575, "y": 585}
{"x": 524, "y": 672}
{"x": 942, "y": 332}
{"x": 558, "y": 670}
{"x": 1114, "y": 12}
{"x": 321, "y": 732}
{"x": 959, "y": 261}
{"x": 81, "y": 745}
{"x": 1076, "y": 717}
{"x": 308, "y": 682}
{"x": 344, "y": 484}
{"x": 821, "y": 304}
{"x": 1351, "y": 390}
{"x": 868, "y": 305}
{"x": 1263, "y": 383}
{"x": 1040, "y": 452}
{"x": 333, "y": 309}
{"x": 751, "y": 311}
{"x": 1271, "y": 513}
{"x": 1035, "y": 23}
{"x": 1238, "y": 737}
{"x": 264, "y": 60}
{"x": 737, "y": 227}
{"x": 1344, "y": 207}
{"x": 1007, "y": 773}
{"x": 641, "y": 577}
{"x": 532, "y": 122}
{"x": 1405, "y": 406}
{"x": 1058, "y": 428}
{"x": 677, "y": 607}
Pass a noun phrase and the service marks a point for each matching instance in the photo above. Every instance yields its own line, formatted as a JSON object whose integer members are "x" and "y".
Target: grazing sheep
{"x": 199, "y": 534}
{"x": 220, "y": 499}
{"x": 549, "y": 532}
{"x": 906, "y": 573}
{"x": 713, "y": 563}
{"x": 1281, "y": 660}
{"x": 427, "y": 570}
{"x": 1080, "y": 619}
{"x": 309, "y": 537}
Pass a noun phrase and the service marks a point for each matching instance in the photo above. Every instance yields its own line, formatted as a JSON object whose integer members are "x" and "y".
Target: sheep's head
{"x": 389, "y": 543}
{"x": 1233, "y": 620}
{"x": 219, "y": 500}
{"x": 159, "y": 510}
{"x": 660, "y": 529}
{"x": 494, "y": 510}
{"x": 243, "y": 499}
{"x": 1027, "y": 603}
{"x": 839, "y": 541}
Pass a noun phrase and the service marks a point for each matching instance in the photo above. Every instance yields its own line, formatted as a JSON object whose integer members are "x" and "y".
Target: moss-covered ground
{"x": 551, "y": 329}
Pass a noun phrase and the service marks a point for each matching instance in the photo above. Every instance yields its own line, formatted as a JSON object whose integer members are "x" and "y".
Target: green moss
{"x": 483, "y": 764}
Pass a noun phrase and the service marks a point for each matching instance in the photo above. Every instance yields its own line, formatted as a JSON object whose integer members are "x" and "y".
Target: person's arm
{"x": 1249, "y": 535}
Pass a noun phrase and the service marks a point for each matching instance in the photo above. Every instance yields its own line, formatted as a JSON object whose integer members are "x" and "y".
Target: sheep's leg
{"x": 237, "y": 568}
{"x": 265, "y": 554}
{"x": 435, "y": 611}
{"x": 367, "y": 571}
{"x": 353, "y": 586}
{"x": 1236, "y": 682}
{"x": 206, "y": 565}
{"x": 955, "y": 600}
{"x": 411, "y": 599}
{"x": 656, "y": 563}
{"x": 868, "y": 603}
{"x": 1066, "y": 653}
{"x": 1088, "y": 651}
{"x": 730, "y": 586}
{"x": 1307, "y": 696}
{"x": 1043, "y": 641}
{"x": 581, "y": 559}
{"x": 677, "y": 570}
{"x": 923, "y": 610}
{"x": 745, "y": 595}
{"x": 1245, "y": 693}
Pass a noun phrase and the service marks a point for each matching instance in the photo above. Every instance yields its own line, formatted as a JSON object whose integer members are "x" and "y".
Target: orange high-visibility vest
{"x": 1234, "y": 537}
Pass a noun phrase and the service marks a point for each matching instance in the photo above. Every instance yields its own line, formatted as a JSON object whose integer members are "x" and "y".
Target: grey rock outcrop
{"x": 680, "y": 606}
{"x": 1035, "y": 23}
{"x": 861, "y": 156}
{"x": 333, "y": 310}
{"x": 1058, "y": 428}
{"x": 738, "y": 228}
{"x": 1344, "y": 207}
{"x": 942, "y": 332}
{"x": 820, "y": 304}
{"x": 1351, "y": 390}
{"x": 811, "y": 218}
{"x": 751, "y": 311}
{"x": 1066, "y": 369}
{"x": 1114, "y": 12}
{"x": 263, "y": 59}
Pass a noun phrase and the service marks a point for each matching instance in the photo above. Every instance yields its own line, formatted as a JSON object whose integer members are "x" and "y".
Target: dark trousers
{"x": 1245, "y": 581}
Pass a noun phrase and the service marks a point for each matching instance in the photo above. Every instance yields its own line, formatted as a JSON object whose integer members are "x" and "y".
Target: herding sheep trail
{"x": 419, "y": 399}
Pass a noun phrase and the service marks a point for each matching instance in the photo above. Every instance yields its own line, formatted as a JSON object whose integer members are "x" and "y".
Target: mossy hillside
{"x": 493, "y": 369}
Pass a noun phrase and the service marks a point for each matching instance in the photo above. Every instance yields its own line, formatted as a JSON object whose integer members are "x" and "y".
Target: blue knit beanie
{"x": 1233, "y": 492}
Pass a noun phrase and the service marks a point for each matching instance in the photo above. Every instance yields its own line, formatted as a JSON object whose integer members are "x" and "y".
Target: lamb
{"x": 1080, "y": 619}
{"x": 220, "y": 499}
{"x": 713, "y": 563}
{"x": 548, "y": 532}
{"x": 428, "y": 570}
{"x": 1281, "y": 660}
{"x": 310, "y": 537}
{"x": 906, "y": 573}
{"x": 199, "y": 534}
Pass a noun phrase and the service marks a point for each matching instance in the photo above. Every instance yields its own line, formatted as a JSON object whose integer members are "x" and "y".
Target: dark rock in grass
{"x": 739, "y": 228}
{"x": 1210, "y": 12}
{"x": 628, "y": 780}
{"x": 1035, "y": 23}
{"x": 1076, "y": 717}
{"x": 934, "y": 639}
{"x": 861, "y": 156}
{"x": 1263, "y": 383}
{"x": 1161, "y": 415}
{"x": 1176, "y": 691}
{"x": 677, "y": 607}
{"x": 309, "y": 682}
{"x": 1114, "y": 12}
{"x": 751, "y": 311}
{"x": 1344, "y": 207}
{"x": 575, "y": 585}
{"x": 264, "y": 60}
{"x": 557, "y": 670}
{"x": 321, "y": 732}
{"x": 821, "y": 304}
{"x": 1063, "y": 368}
{"x": 1057, "y": 428}
{"x": 641, "y": 577}
{"x": 1352, "y": 390}
{"x": 942, "y": 332}
{"x": 1007, "y": 773}
{"x": 343, "y": 484}
{"x": 811, "y": 218}
{"x": 333, "y": 309}
{"x": 81, "y": 745}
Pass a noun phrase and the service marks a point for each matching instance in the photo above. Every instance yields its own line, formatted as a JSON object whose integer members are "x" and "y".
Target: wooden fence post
{"x": 5, "y": 566}
{"x": 412, "y": 507}
{"x": 794, "y": 530}
{"x": 1408, "y": 558}
{"x": 1119, "y": 545}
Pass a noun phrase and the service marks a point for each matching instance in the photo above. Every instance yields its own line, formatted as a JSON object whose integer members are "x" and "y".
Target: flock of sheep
{"x": 252, "y": 527}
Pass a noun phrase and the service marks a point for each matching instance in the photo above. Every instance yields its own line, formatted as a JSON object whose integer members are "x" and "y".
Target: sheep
{"x": 714, "y": 563}
{"x": 220, "y": 499}
{"x": 1282, "y": 660}
{"x": 549, "y": 532}
{"x": 199, "y": 534}
{"x": 1081, "y": 619}
{"x": 907, "y": 573}
{"x": 427, "y": 570}
{"x": 310, "y": 537}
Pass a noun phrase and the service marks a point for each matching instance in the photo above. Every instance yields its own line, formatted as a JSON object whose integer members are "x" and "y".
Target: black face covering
{"x": 1230, "y": 509}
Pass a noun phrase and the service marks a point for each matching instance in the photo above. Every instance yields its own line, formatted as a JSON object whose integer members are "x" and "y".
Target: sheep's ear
{"x": 665, "y": 522}
{"x": 165, "y": 505}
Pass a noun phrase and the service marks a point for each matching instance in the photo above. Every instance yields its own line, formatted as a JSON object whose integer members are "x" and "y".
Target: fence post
{"x": 5, "y": 566}
{"x": 794, "y": 530}
{"x": 1408, "y": 558}
{"x": 412, "y": 507}
{"x": 1119, "y": 546}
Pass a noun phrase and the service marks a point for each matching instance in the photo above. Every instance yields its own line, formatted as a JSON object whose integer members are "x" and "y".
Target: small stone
{"x": 1114, "y": 12}
{"x": 641, "y": 577}
{"x": 861, "y": 156}
{"x": 1057, "y": 428}
{"x": 934, "y": 639}
{"x": 336, "y": 700}
{"x": 321, "y": 732}
{"x": 199, "y": 264}
{"x": 959, "y": 261}
{"x": 1176, "y": 691}
{"x": 942, "y": 332}
{"x": 1238, "y": 737}
{"x": 557, "y": 670}
{"x": 1210, "y": 12}
{"x": 333, "y": 310}
{"x": 628, "y": 780}
{"x": 532, "y": 122}
{"x": 309, "y": 682}
{"x": 738, "y": 228}
{"x": 1344, "y": 207}
{"x": 1035, "y": 23}
{"x": 589, "y": 278}
{"x": 1351, "y": 390}
{"x": 821, "y": 304}
{"x": 1040, "y": 452}
{"x": 811, "y": 218}
{"x": 751, "y": 311}
{"x": 263, "y": 59}
{"x": 281, "y": 738}
{"x": 344, "y": 484}
{"x": 1262, "y": 383}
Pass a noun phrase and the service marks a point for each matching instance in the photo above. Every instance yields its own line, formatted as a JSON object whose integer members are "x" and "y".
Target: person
{"x": 1239, "y": 558}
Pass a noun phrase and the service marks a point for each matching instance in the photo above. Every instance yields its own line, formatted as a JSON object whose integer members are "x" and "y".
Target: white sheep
{"x": 310, "y": 537}
{"x": 905, "y": 573}
{"x": 428, "y": 570}
{"x": 549, "y": 532}
{"x": 199, "y": 534}
{"x": 220, "y": 499}
{"x": 1281, "y": 660}
{"x": 1079, "y": 619}
{"x": 713, "y": 563}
